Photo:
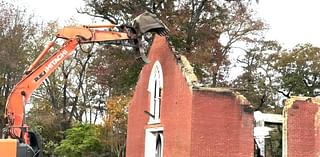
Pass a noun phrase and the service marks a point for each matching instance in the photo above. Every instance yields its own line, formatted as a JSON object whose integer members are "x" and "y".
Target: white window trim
{"x": 150, "y": 141}
{"x": 153, "y": 121}
{"x": 155, "y": 72}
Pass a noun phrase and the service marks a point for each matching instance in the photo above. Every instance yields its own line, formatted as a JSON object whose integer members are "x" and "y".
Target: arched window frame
{"x": 155, "y": 87}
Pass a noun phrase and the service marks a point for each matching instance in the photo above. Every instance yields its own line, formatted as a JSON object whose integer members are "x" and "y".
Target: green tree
{"x": 81, "y": 140}
{"x": 114, "y": 130}
{"x": 42, "y": 119}
{"x": 115, "y": 69}
{"x": 16, "y": 38}
{"x": 197, "y": 28}
{"x": 300, "y": 70}
{"x": 258, "y": 79}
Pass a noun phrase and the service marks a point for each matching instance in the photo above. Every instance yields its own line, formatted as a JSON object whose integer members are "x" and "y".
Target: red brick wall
{"x": 303, "y": 132}
{"x": 175, "y": 106}
{"x": 220, "y": 127}
{"x": 196, "y": 123}
{"x": 246, "y": 131}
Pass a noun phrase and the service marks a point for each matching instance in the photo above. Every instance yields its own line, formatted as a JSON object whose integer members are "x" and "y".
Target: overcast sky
{"x": 291, "y": 21}
{"x": 61, "y": 10}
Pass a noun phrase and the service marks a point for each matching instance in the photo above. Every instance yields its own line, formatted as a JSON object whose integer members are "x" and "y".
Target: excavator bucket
{"x": 147, "y": 22}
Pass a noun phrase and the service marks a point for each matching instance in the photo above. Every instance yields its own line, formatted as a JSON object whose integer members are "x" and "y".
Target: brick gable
{"x": 196, "y": 121}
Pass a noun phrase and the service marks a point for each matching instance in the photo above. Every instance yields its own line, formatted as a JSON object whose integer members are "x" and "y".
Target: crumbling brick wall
{"x": 196, "y": 122}
{"x": 301, "y": 127}
{"x": 221, "y": 124}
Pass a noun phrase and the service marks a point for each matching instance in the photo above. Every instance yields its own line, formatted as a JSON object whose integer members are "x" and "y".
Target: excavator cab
{"x": 17, "y": 148}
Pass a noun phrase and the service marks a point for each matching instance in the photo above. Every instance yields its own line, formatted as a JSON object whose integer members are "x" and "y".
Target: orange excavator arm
{"x": 36, "y": 74}
{"x": 38, "y": 71}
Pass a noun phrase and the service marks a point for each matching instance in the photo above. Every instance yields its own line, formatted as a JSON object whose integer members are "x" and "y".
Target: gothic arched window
{"x": 155, "y": 89}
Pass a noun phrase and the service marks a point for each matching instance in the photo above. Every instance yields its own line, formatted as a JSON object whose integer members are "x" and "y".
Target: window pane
{"x": 158, "y": 146}
{"x": 159, "y": 103}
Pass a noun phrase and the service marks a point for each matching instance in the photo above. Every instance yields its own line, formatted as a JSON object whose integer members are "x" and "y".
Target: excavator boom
{"x": 16, "y": 128}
